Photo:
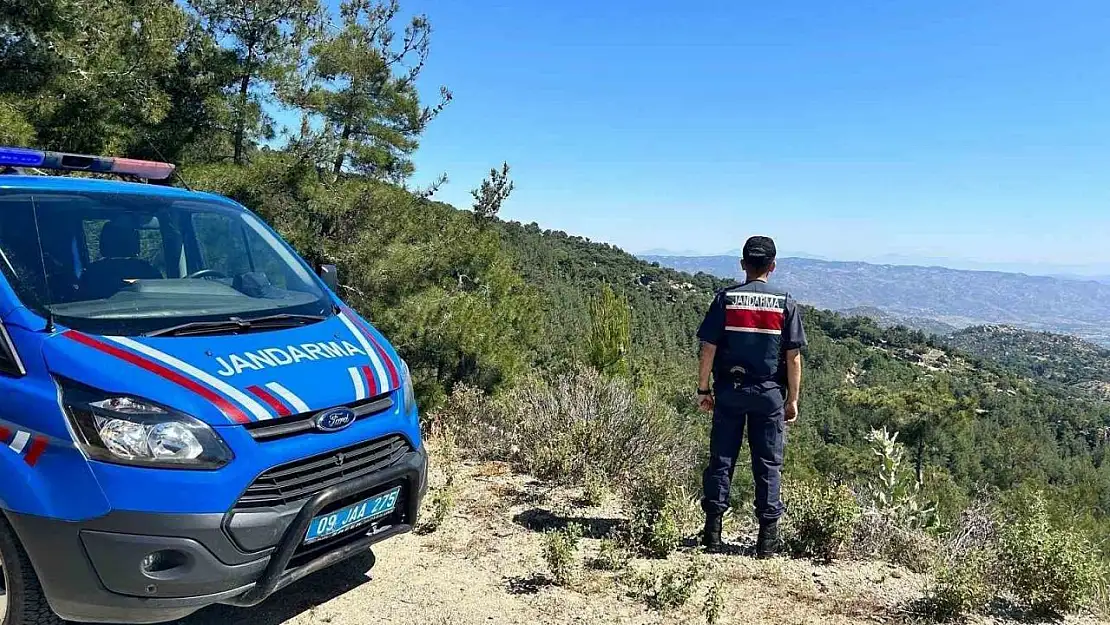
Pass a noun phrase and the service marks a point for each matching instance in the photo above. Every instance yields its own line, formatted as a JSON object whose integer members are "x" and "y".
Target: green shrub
{"x": 554, "y": 461}
{"x": 439, "y": 508}
{"x": 559, "y": 550}
{"x": 671, "y": 588}
{"x": 655, "y": 526}
{"x": 914, "y": 549}
{"x": 474, "y": 423}
{"x": 820, "y": 520}
{"x": 608, "y": 341}
{"x": 714, "y": 604}
{"x": 594, "y": 488}
{"x": 564, "y": 428}
{"x": 612, "y": 555}
{"x": 445, "y": 461}
{"x": 876, "y": 535}
{"x": 1054, "y": 570}
{"x": 579, "y": 427}
{"x": 960, "y": 587}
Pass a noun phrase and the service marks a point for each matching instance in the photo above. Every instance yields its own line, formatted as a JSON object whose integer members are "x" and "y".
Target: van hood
{"x": 237, "y": 378}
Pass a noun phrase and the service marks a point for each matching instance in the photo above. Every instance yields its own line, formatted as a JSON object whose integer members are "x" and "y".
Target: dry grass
{"x": 481, "y": 566}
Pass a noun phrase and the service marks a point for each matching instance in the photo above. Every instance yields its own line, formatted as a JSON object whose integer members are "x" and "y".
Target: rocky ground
{"x": 484, "y": 564}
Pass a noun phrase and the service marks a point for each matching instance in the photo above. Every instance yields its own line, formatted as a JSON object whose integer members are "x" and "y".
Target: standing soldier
{"x": 751, "y": 342}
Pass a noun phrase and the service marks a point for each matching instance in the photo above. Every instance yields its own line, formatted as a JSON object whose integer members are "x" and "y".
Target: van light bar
{"x": 23, "y": 157}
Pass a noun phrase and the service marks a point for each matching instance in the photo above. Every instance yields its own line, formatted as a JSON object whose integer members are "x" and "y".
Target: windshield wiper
{"x": 236, "y": 325}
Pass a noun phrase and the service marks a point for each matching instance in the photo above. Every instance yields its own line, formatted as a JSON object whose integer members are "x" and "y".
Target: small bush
{"x": 445, "y": 454}
{"x": 672, "y": 588}
{"x": 579, "y": 428}
{"x": 594, "y": 488}
{"x": 976, "y": 529}
{"x": 960, "y": 588}
{"x": 1100, "y": 605}
{"x": 1052, "y": 569}
{"x": 820, "y": 520}
{"x": 871, "y": 535}
{"x": 914, "y": 549}
{"x": 584, "y": 421}
{"x": 474, "y": 422}
{"x": 611, "y": 556}
{"x": 655, "y": 526}
{"x": 876, "y": 535}
{"x": 559, "y": 550}
{"x": 714, "y": 604}
{"x": 445, "y": 463}
{"x": 439, "y": 508}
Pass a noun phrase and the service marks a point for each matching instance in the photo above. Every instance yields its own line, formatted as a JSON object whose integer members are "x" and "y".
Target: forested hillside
{"x": 1067, "y": 360}
{"x": 887, "y": 320}
{"x": 509, "y": 312}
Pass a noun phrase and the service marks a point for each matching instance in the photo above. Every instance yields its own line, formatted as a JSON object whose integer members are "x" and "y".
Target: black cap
{"x": 759, "y": 249}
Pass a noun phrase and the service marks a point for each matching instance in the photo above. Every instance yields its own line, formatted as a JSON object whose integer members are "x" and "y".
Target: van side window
{"x": 267, "y": 261}
{"x": 92, "y": 228}
{"x": 151, "y": 248}
{"x": 220, "y": 239}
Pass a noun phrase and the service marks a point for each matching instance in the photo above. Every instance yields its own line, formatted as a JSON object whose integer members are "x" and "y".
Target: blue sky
{"x": 959, "y": 130}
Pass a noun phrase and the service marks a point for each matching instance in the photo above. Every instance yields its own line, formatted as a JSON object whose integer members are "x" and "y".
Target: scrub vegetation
{"x": 562, "y": 357}
{"x": 670, "y": 588}
{"x": 560, "y": 552}
{"x": 612, "y": 555}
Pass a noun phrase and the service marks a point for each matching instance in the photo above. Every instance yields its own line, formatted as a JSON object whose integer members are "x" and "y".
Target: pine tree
{"x": 87, "y": 76}
{"x": 267, "y": 37}
{"x": 609, "y": 342}
{"x": 365, "y": 89}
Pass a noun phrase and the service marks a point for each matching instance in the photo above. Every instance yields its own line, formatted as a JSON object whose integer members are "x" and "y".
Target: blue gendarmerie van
{"x": 189, "y": 415}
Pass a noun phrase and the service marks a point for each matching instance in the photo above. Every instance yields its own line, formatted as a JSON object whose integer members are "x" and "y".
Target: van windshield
{"x": 126, "y": 264}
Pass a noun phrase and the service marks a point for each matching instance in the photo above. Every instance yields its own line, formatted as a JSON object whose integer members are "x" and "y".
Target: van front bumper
{"x": 93, "y": 571}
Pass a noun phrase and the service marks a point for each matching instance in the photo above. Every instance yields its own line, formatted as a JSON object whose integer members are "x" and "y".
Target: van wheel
{"x": 21, "y": 598}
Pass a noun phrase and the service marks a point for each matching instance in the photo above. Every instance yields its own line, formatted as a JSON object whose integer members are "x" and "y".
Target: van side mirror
{"x": 330, "y": 275}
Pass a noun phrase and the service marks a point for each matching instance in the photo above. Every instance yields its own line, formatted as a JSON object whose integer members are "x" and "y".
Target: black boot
{"x": 767, "y": 545}
{"x": 711, "y": 537}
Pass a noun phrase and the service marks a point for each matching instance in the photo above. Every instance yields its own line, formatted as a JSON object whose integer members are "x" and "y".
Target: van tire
{"x": 26, "y": 602}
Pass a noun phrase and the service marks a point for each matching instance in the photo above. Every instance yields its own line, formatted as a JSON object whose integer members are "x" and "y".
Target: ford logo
{"x": 334, "y": 420}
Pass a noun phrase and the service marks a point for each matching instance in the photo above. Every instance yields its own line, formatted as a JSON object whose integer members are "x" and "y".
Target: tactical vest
{"x": 751, "y": 352}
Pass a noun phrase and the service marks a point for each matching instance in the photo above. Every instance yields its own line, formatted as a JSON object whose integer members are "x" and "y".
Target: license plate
{"x": 354, "y": 515}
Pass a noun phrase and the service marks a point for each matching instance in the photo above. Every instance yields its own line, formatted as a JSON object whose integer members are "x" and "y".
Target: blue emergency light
{"x": 23, "y": 157}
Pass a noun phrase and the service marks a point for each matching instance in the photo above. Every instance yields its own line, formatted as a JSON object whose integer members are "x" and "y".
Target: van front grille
{"x": 302, "y": 479}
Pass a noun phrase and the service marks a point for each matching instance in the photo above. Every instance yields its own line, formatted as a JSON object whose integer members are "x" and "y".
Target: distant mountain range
{"x": 932, "y": 297}
{"x": 655, "y": 252}
{"x": 1099, "y": 272}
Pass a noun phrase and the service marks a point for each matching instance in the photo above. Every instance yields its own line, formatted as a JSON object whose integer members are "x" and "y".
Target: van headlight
{"x": 409, "y": 393}
{"x": 130, "y": 430}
